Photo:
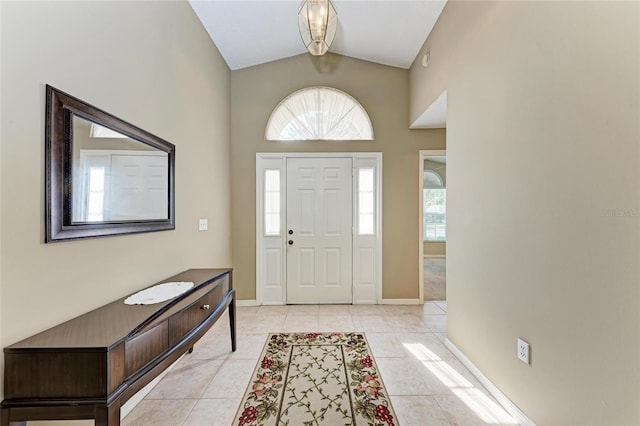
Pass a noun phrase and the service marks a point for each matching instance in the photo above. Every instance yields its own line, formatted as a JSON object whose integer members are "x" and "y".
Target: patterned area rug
{"x": 316, "y": 379}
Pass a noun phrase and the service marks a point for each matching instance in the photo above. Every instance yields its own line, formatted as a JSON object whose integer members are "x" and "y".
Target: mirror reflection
{"x": 116, "y": 178}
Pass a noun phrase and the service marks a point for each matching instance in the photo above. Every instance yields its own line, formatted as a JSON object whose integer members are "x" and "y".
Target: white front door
{"x": 319, "y": 230}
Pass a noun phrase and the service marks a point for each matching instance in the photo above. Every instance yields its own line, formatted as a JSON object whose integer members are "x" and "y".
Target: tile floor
{"x": 427, "y": 384}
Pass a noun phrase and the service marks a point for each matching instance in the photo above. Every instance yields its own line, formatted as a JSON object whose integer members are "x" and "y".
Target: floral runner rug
{"x": 316, "y": 379}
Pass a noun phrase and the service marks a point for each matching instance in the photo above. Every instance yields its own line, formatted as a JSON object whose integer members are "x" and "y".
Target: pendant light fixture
{"x": 318, "y": 21}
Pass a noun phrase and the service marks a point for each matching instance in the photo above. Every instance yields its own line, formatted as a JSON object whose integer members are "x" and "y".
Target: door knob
{"x": 290, "y": 231}
{"x": 290, "y": 242}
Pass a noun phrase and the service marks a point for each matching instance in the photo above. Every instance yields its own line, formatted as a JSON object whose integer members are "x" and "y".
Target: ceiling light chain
{"x": 318, "y": 22}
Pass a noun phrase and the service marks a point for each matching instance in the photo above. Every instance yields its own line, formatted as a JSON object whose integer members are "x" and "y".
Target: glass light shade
{"x": 318, "y": 22}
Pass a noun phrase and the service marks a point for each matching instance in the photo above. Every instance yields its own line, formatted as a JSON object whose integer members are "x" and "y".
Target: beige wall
{"x": 151, "y": 64}
{"x": 434, "y": 248}
{"x": 383, "y": 91}
{"x": 82, "y": 140}
{"x": 548, "y": 94}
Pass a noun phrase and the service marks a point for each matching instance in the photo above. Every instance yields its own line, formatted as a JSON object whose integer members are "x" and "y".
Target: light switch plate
{"x": 203, "y": 224}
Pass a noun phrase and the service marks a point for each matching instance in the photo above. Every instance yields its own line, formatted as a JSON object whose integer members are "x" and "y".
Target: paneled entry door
{"x": 319, "y": 230}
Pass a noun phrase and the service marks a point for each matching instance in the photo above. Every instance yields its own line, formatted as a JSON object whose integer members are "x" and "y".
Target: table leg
{"x": 5, "y": 419}
{"x": 232, "y": 322}
{"x": 108, "y": 415}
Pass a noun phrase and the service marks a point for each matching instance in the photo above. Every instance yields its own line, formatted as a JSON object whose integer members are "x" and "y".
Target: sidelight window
{"x": 96, "y": 194}
{"x": 272, "y": 202}
{"x": 366, "y": 207}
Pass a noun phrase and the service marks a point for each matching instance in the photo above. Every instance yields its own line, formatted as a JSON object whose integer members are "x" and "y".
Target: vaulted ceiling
{"x": 389, "y": 32}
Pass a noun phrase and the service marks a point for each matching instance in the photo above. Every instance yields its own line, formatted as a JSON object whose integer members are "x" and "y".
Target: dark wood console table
{"x": 86, "y": 368}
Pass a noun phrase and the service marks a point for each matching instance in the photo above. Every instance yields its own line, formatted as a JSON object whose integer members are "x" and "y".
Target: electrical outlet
{"x": 523, "y": 351}
{"x": 203, "y": 224}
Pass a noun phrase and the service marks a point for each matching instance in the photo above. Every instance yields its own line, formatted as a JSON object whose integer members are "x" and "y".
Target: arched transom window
{"x": 432, "y": 180}
{"x": 319, "y": 113}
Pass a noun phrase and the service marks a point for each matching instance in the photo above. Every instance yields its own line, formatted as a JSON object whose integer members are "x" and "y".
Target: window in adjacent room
{"x": 435, "y": 207}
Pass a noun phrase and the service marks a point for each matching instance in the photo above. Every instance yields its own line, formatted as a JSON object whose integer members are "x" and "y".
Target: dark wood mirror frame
{"x": 60, "y": 109}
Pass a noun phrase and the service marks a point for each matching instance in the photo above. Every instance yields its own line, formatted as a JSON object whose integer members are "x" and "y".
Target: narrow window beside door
{"x": 96, "y": 194}
{"x": 365, "y": 201}
{"x": 272, "y": 202}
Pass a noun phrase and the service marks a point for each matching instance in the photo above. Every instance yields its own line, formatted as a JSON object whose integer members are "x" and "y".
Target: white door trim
{"x": 423, "y": 155}
{"x": 271, "y": 249}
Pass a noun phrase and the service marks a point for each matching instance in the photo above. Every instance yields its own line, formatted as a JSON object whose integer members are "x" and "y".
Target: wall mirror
{"x": 104, "y": 176}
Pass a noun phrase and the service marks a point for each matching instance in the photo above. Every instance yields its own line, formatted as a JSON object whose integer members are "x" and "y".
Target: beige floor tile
{"x": 186, "y": 380}
{"x": 441, "y": 336}
{"x": 303, "y": 310}
{"x": 423, "y": 346}
{"x": 402, "y": 309}
{"x": 159, "y": 412}
{"x": 403, "y": 376}
{"x": 336, "y": 323}
{"x": 267, "y": 324}
{"x": 213, "y": 412}
{"x": 432, "y": 308}
{"x": 216, "y": 346}
{"x": 418, "y": 411}
{"x": 436, "y": 364}
{"x": 455, "y": 374}
{"x": 436, "y": 323}
{"x": 406, "y": 323}
{"x": 244, "y": 316}
{"x": 231, "y": 380}
{"x": 249, "y": 346}
{"x": 385, "y": 345}
{"x": 300, "y": 323}
{"x": 367, "y": 310}
{"x": 371, "y": 323}
{"x": 478, "y": 410}
{"x": 220, "y": 327}
{"x": 266, "y": 310}
{"x": 247, "y": 310}
{"x": 334, "y": 310}
{"x": 442, "y": 304}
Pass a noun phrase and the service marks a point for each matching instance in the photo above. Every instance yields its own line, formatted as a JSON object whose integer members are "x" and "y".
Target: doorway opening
{"x": 433, "y": 240}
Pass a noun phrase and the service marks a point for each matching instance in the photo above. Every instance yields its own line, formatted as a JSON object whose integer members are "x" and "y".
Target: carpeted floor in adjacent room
{"x": 435, "y": 279}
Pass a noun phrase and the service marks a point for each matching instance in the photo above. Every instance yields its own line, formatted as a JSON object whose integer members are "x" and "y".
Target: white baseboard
{"x": 400, "y": 302}
{"x": 246, "y": 303}
{"x": 509, "y": 406}
{"x": 382, "y": 302}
